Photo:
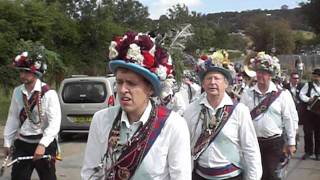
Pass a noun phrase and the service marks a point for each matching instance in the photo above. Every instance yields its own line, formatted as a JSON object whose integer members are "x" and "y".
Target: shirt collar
{"x": 144, "y": 118}
{"x": 37, "y": 87}
{"x": 315, "y": 85}
{"x": 292, "y": 86}
{"x": 272, "y": 87}
{"x": 226, "y": 100}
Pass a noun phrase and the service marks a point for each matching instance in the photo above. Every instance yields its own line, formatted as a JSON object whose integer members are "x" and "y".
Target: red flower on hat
{"x": 161, "y": 56}
{"x": 148, "y": 59}
{"x": 33, "y": 69}
{"x": 145, "y": 42}
{"x": 203, "y": 57}
{"x": 140, "y": 49}
{"x": 169, "y": 69}
{"x": 118, "y": 39}
{"x": 124, "y": 44}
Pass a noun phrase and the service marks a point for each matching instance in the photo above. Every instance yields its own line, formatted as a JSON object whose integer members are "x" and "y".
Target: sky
{"x": 159, "y": 7}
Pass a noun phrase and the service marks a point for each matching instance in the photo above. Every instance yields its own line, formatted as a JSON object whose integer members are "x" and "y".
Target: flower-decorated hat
{"x": 267, "y": 63}
{"x": 33, "y": 61}
{"x": 316, "y": 71}
{"x": 139, "y": 53}
{"x": 217, "y": 62}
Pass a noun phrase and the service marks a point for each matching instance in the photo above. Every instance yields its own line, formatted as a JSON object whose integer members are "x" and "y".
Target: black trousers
{"x": 23, "y": 170}
{"x": 271, "y": 152}
{"x": 196, "y": 176}
{"x": 311, "y": 129}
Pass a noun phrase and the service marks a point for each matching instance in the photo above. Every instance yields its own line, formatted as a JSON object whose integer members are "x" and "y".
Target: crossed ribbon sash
{"x": 138, "y": 147}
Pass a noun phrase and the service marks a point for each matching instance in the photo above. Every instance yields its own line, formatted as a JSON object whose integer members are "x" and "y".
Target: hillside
{"x": 239, "y": 20}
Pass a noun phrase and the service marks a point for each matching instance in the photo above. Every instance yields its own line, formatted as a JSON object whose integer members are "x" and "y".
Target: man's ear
{"x": 151, "y": 92}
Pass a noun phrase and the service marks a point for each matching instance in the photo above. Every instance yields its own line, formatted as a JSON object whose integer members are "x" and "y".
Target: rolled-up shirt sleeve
{"x": 53, "y": 114}
{"x": 303, "y": 93}
{"x": 287, "y": 117}
{"x": 179, "y": 155}
{"x": 13, "y": 122}
{"x": 249, "y": 145}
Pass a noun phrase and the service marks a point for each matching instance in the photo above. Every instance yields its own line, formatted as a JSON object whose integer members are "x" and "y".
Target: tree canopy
{"x": 78, "y": 32}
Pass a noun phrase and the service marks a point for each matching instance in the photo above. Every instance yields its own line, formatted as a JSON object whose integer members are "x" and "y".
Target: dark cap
{"x": 316, "y": 71}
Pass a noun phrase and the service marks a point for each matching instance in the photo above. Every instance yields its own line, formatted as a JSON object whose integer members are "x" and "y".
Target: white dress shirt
{"x": 193, "y": 91}
{"x": 50, "y": 117}
{"x": 293, "y": 90}
{"x": 177, "y": 104}
{"x": 239, "y": 129}
{"x": 278, "y": 116}
{"x": 168, "y": 158}
{"x": 314, "y": 92}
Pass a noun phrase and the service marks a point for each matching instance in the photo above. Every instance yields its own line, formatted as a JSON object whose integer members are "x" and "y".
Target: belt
{"x": 269, "y": 138}
{"x": 30, "y": 138}
{"x": 217, "y": 171}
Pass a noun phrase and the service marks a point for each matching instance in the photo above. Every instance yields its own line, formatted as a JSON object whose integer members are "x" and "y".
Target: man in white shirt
{"x": 138, "y": 139}
{"x": 223, "y": 140}
{"x": 171, "y": 98}
{"x": 271, "y": 110}
{"x": 294, "y": 86}
{"x": 191, "y": 89}
{"x": 311, "y": 125}
{"x": 33, "y": 120}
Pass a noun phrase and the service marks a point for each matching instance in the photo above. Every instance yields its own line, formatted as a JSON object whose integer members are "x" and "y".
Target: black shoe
{"x": 305, "y": 157}
{"x": 317, "y": 157}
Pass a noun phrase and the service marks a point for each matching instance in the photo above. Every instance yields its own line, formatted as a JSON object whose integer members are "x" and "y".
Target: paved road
{"x": 303, "y": 169}
{"x": 73, "y": 151}
{"x": 69, "y": 167}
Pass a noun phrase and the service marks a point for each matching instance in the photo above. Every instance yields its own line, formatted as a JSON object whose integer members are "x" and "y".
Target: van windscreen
{"x": 84, "y": 92}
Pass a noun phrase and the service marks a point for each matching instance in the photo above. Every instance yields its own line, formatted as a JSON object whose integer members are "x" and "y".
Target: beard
{"x": 26, "y": 81}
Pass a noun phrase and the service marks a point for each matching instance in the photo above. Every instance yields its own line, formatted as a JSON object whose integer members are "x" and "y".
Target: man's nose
{"x": 123, "y": 88}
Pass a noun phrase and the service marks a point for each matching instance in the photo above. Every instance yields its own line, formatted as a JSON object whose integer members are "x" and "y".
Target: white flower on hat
{"x": 161, "y": 72}
{"x": 170, "y": 60}
{"x": 113, "y": 53}
{"x": 17, "y": 58}
{"x": 24, "y": 54}
{"x": 167, "y": 87}
{"x": 134, "y": 53}
{"x": 39, "y": 56}
{"x": 37, "y": 64}
{"x": 45, "y": 66}
{"x": 152, "y": 50}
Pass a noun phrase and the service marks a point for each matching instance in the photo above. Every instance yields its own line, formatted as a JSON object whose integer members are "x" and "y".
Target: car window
{"x": 84, "y": 92}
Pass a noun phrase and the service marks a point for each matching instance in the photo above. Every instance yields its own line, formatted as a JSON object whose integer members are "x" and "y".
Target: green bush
{"x": 5, "y": 100}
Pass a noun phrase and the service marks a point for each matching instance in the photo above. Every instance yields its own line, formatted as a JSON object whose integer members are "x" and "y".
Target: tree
{"x": 179, "y": 13}
{"x": 238, "y": 41}
{"x": 267, "y": 34}
{"x": 311, "y": 10}
{"x": 56, "y": 68}
{"x": 131, "y": 13}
